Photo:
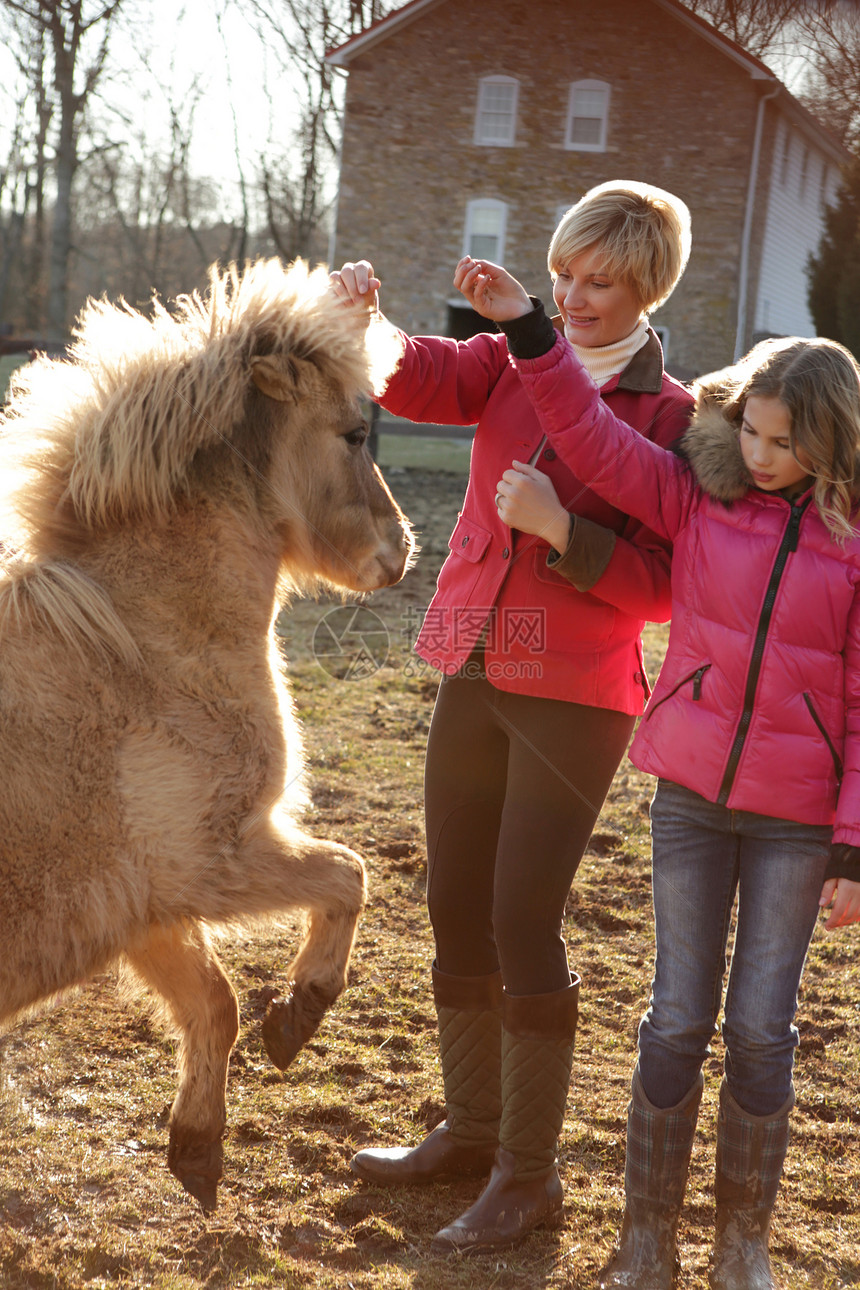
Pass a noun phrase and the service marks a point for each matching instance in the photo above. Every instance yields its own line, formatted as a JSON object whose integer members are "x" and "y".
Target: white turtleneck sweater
{"x": 605, "y": 361}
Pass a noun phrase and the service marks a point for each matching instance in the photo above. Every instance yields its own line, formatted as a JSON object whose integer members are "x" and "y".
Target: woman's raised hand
{"x": 356, "y": 284}
{"x": 491, "y": 291}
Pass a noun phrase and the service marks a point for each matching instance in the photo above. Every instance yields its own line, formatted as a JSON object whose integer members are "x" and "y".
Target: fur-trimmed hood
{"x": 712, "y": 448}
{"x": 711, "y": 443}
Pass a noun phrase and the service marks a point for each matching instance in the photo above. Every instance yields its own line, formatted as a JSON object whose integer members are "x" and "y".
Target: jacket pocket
{"x": 469, "y": 540}
{"x": 837, "y": 760}
{"x": 696, "y": 678}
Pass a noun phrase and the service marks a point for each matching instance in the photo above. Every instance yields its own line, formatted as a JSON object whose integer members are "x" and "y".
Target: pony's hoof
{"x": 198, "y": 1165}
{"x": 204, "y": 1190}
{"x": 291, "y": 1022}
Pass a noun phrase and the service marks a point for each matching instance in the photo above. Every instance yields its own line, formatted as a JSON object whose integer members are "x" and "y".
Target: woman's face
{"x": 596, "y": 308}
{"x": 766, "y": 446}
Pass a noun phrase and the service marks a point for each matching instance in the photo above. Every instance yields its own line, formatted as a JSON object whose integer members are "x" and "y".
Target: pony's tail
{"x": 61, "y": 597}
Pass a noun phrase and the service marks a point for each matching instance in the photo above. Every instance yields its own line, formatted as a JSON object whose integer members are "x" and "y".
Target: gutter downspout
{"x": 332, "y": 233}
{"x": 743, "y": 275}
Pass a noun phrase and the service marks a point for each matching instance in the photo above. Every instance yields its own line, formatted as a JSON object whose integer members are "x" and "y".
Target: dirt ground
{"x": 85, "y": 1196}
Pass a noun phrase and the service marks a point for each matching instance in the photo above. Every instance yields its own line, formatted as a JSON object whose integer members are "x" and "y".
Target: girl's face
{"x": 765, "y": 446}
{"x": 596, "y": 308}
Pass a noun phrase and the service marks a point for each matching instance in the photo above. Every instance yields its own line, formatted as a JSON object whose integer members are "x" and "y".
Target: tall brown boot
{"x": 524, "y": 1191}
{"x": 659, "y": 1146}
{"x": 750, "y": 1156}
{"x": 469, "y": 1010}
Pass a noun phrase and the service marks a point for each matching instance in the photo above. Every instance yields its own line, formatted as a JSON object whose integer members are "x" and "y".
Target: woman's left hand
{"x": 491, "y": 291}
{"x": 844, "y": 898}
{"x": 526, "y": 500}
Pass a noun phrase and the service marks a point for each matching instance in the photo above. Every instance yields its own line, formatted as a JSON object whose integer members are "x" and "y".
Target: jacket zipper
{"x": 837, "y": 760}
{"x": 695, "y": 677}
{"x": 786, "y": 546}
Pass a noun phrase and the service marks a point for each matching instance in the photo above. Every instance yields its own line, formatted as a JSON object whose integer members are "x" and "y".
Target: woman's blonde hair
{"x": 643, "y": 232}
{"x": 818, "y": 381}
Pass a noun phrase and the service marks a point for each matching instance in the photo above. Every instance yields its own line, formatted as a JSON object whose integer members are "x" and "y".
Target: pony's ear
{"x": 277, "y": 376}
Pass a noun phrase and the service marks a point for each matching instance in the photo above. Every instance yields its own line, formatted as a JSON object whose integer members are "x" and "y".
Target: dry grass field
{"x": 85, "y": 1196}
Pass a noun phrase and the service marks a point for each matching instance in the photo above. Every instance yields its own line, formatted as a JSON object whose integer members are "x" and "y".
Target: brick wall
{"x": 682, "y": 115}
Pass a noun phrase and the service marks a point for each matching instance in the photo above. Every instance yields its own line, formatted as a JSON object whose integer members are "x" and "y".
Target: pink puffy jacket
{"x": 758, "y": 702}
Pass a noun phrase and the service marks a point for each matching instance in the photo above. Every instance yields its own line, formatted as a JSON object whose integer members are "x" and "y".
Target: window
{"x": 804, "y": 173}
{"x": 495, "y": 124}
{"x": 829, "y": 186}
{"x": 587, "y": 116}
{"x": 781, "y": 153}
{"x": 662, "y": 334}
{"x": 785, "y": 161}
{"x": 485, "y": 230}
{"x": 824, "y": 187}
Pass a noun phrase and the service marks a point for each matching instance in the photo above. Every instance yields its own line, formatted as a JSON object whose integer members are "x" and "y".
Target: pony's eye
{"x": 355, "y": 438}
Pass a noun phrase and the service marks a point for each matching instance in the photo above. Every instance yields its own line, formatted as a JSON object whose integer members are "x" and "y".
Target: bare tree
{"x": 832, "y": 86}
{"x": 76, "y": 37}
{"x": 23, "y": 174}
{"x": 14, "y": 201}
{"x": 297, "y": 34}
{"x": 821, "y": 37}
{"x": 145, "y": 223}
{"x": 761, "y": 27}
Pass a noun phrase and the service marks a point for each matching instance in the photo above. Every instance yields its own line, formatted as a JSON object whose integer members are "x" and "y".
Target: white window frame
{"x": 589, "y": 86}
{"x": 484, "y": 138}
{"x": 474, "y": 209}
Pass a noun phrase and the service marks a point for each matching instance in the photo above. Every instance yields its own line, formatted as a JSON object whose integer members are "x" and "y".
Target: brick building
{"x": 471, "y": 125}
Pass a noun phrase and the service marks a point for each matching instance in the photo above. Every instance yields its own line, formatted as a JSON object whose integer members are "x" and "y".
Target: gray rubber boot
{"x": 659, "y": 1146}
{"x": 524, "y": 1191}
{"x": 750, "y": 1156}
{"x": 469, "y": 1010}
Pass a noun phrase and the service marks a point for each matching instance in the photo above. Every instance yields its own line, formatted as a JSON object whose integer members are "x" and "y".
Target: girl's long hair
{"x": 819, "y": 383}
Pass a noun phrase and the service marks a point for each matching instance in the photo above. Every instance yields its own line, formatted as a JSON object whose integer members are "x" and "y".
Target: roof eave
{"x": 343, "y": 54}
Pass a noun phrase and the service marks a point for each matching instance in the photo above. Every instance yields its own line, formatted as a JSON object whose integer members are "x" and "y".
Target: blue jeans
{"x": 703, "y": 854}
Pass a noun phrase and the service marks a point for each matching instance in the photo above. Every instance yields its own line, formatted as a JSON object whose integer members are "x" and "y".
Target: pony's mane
{"x": 110, "y": 434}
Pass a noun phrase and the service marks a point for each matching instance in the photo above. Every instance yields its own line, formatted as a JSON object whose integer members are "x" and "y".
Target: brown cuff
{"x": 543, "y": 1016}
{"x": 471, "y": 993}
{"x": 587, "y": 554}
{"x": 844, "y": 862}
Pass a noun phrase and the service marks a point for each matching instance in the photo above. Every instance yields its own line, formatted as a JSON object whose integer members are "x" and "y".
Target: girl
{"x": 753, "y": 731}
{"x": 543, "y": 678}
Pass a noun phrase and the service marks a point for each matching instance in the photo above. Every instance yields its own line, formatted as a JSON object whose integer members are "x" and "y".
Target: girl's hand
{"x": 355, "y": 284}
{"x": 844, "y": 897}
{"x": 526, "y": 500}
{"x": 490, "y": 290}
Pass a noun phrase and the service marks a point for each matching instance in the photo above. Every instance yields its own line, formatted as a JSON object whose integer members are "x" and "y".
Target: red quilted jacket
{"x": 545, "y": 637}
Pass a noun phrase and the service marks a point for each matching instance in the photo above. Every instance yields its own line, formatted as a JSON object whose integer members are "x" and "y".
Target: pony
{"x": 164, "y": 490}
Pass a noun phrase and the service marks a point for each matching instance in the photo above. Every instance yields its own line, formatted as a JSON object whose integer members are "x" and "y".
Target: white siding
{"x": 793, "y": 228}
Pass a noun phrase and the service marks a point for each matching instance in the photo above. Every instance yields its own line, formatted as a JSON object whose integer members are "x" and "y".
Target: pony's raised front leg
{"x": 317, "y": 975}
{"x": 179, "y": 965}
{"x": 328, "y": 881}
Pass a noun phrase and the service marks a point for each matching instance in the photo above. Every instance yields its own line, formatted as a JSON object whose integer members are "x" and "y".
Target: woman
{"x": 542, "y": 680}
